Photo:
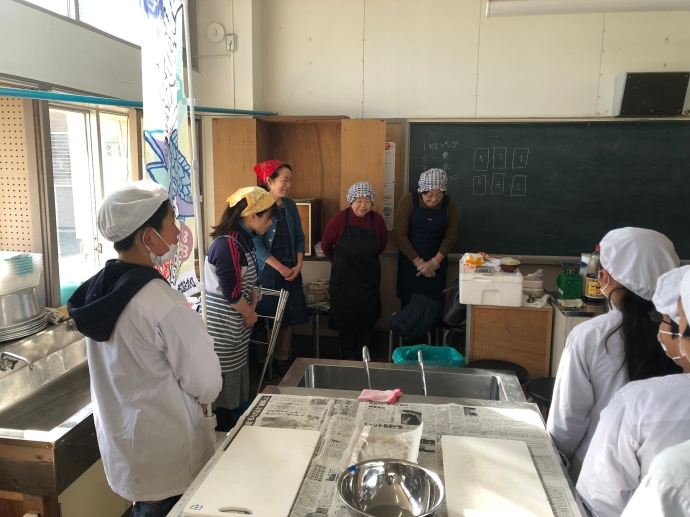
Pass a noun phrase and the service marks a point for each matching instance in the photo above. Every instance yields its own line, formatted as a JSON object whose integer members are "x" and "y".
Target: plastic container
{"x": 433, "y": 356}
{"x": 499, "y": 289}
{"x": 19, "y": 271}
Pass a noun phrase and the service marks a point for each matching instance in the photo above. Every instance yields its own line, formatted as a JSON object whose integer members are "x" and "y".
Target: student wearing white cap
{"x": 665, "y": 490}
{"x": 151, "y": 361}
{"x": 666, "y": 302}
{"x": 604, "y": 354}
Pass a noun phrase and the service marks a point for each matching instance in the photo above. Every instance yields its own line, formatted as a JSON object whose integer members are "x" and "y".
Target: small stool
{"x": 400, "y": 343}
{"x": 494, "y": 364}
{"x": 541, "y": 391}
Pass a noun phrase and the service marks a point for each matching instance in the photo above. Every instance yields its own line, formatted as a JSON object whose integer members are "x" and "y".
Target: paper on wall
{"x": 389, "y": 185}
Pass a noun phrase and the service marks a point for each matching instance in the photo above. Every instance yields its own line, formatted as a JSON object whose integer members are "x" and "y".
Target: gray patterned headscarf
{"x": 433, "y": 179}
{"x": 361, "y": 189}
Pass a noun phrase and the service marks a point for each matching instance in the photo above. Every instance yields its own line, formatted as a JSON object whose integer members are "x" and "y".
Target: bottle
{"x": 593, "y": 294}
{"x": 584, "y": 263}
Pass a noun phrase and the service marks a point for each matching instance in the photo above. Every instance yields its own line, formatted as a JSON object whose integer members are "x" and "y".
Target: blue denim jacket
{"x": 264, "y": 243}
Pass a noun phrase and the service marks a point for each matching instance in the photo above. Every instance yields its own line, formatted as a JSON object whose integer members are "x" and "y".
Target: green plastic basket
{"x": 433, "y": 356}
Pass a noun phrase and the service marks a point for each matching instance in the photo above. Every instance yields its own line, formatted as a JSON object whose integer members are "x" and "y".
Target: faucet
{"x": 366, "y": 359}
{"x": 9, "y": 360}
{"x": 420, "y": 357}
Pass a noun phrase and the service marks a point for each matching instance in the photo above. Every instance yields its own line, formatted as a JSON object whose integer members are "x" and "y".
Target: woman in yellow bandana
{"x": 231, "y": 295}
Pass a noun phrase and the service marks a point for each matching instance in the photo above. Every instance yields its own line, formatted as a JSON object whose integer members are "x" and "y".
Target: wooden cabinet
{"x": 327, "y": 155}
{"x": 521, "y": 335}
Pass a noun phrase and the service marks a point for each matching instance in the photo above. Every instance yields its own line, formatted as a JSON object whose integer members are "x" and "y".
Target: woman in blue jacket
{"x": 281, "y": 252}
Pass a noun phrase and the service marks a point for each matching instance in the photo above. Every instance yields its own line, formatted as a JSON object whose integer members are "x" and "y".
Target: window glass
{"x": 74, "y": 198}
{"x": 121, "y": 19}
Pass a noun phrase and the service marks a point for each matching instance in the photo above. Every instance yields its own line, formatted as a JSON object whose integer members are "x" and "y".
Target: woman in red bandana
{"x": 281, "y": 251}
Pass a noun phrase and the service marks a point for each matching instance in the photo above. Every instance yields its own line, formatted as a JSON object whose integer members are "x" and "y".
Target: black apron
{"x": 426, "y": 232}
{"x": 355, "y": 279}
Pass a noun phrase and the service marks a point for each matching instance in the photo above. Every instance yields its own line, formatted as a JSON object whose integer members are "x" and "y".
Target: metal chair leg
{"x": 446, "y": 335}
{"x": 390, "y": 346}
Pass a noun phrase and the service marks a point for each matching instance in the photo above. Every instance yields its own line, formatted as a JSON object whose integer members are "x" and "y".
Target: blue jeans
{"x": 154, "y": 508}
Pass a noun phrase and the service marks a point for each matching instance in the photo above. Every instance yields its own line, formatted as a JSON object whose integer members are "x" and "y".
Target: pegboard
{"x": 15, "y": 213}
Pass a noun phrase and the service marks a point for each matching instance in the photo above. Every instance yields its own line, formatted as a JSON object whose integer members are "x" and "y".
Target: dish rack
{"x": 19, "y": 271}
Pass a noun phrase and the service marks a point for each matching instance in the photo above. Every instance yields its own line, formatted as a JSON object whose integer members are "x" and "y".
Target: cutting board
{"x": 485, "y": 477}
{"x": 261, "y": 472}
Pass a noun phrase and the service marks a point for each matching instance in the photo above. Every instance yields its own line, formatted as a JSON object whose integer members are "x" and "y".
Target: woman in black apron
{"x": 353, "y": 240}
{"x": 425, "y": 232}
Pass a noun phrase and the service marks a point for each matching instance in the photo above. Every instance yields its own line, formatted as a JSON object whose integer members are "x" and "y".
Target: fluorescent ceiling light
{"x": 496, "y": 8}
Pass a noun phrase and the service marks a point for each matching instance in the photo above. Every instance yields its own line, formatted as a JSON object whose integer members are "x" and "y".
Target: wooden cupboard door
{"x": 521, "y": 335}
{"x": 362, "y": 157}
{"x": 234, "y": 158}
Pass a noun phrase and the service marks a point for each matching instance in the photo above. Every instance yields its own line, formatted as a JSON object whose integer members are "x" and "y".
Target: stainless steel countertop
{"x": 586, "y": 311}
{"x": 178, "y": 510}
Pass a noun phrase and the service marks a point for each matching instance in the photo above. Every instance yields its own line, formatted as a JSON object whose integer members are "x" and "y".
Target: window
{"x": 57, "y": 6}
{"x": 122, "y": 19}
{"x": 91, "y": 158}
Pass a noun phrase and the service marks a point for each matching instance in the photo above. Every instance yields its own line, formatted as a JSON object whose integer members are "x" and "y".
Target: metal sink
{"x": 441, "y": 382}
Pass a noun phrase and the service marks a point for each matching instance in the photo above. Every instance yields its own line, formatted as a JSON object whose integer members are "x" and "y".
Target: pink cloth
{"x": 390, "y": 396}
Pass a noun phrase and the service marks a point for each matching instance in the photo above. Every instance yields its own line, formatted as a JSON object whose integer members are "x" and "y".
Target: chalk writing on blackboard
{"x": 519, "y": 187}
{"x": 479, "y": 185}
{"x": 481, "y": 159}
{"x": 497, "y": 182}
{"x": 500, "y": 157}
{"x": 520, "y": 158}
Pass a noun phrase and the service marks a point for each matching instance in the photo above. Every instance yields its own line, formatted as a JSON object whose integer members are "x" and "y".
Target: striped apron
{"x": 226, "y": 325}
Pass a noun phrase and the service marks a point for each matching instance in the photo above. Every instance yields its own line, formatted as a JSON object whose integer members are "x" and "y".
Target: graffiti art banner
{"x": 166, "y": 129}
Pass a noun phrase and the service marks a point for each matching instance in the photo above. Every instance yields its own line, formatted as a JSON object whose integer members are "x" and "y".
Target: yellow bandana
{"x": 258, "y": 200}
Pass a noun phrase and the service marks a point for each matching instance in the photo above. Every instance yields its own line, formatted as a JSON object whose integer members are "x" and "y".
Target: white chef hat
{"x": 433, "y": 179}
{"x": 127, "y": 209}
{"x": 637, "y": 257}
{"x": 361, "y": 189}
{"x": 685, "y": 294}
{"x": 668, "y": 291}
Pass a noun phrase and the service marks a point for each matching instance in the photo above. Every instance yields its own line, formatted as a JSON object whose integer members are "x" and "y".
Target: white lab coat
{"x": 591, "y": 371}
{"x": 665, "y": 490}
{"x": 642, "y": 419}
{"x": 147, "y": 383}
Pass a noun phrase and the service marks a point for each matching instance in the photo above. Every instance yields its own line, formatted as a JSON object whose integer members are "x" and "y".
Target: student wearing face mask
{"x": 665, "y": 490}
{"x": 666, "y": 314}
{"x": 605, "y": 353}
{"x": 426, "y": 229}
{"x": 151, "y": 361}
{"x": 232, "y": 278}
{"x": 353, "y": 240}
{"x": 643, "y": 419}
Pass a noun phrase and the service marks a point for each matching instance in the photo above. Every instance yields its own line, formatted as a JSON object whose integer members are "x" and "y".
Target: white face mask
{"x": 684, "y": 342}
{"x": 658, "y": 336}
{"x": 602, "y": 287}
{"x": 159, "y": 260}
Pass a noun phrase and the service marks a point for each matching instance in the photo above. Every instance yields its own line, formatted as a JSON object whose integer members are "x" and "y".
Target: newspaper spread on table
{"x": 337, "y": 419}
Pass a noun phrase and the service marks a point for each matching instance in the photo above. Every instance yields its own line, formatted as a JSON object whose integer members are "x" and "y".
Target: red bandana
{"x": 264, "y": 170}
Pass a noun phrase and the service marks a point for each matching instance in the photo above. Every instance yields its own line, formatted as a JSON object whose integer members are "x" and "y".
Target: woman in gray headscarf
{"x": 426, "y": 229}
{"x": 353, "y": 240}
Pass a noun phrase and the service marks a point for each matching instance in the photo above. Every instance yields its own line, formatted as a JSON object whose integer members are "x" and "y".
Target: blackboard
{"x": 555, "y": 188}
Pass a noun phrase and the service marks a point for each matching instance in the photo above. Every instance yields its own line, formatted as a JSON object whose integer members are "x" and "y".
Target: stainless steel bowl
{"x": 390, "y": 488}
{"x": 19, "y": 307}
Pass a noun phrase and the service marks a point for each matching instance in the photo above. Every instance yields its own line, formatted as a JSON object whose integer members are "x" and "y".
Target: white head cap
{"x": 685, "y": 294}
{"x": 125, "y": 211}
{"x": 668, "y": 291}
{"x": 637, "y": 257}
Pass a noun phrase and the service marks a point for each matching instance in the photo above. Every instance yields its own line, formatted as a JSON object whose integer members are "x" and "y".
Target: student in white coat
{"x": 642, "y": 419}
{"x": 665, "y": 490}
{"x": 604, "y": 354}
{"x": 151, "y": 361}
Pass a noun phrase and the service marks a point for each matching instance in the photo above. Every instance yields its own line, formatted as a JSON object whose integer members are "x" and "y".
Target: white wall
{"x": 39, "y": 46}
{"x": 444, "y": 58}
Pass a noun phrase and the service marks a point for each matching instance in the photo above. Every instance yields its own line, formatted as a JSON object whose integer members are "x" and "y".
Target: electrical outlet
{"x": 230, "y": 42}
